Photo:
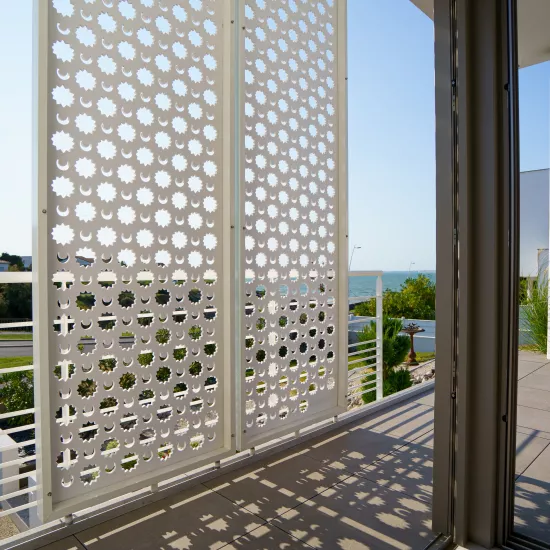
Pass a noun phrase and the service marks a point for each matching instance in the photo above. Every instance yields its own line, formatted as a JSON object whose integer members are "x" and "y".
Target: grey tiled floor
{"x": 532, "y": 502}
{"x": 366, "y": 485}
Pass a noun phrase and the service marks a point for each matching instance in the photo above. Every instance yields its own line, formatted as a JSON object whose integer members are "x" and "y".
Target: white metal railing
{"x": 365, "y": 357}
{"x": 18, "y": 489}
{"x": 10, "y": 462}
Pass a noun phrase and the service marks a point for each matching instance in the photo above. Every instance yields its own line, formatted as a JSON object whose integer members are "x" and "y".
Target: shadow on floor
{"x": 367, "y": 485}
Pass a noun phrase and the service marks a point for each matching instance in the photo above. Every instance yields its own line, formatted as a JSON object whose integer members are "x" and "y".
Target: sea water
{"x": 392, "y": 280}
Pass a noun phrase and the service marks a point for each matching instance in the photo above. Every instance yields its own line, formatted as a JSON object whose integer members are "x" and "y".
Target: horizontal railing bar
{"x": 361, "y": 385}
{"x": 365, "y": 273}
{"x": 368, "y": 350}
{"x": 13, "y": 277}
{"x": 362, "y": 343}
{"x": 16, "y": 413}
{"x": 17, "y": 477}
{"x": 17, "y": 444}
{"x": 16, "y": 369}
{"x": 357, "y": 321}
{"x": 18, "y": 493}
{"x": 365, "y": 297}
{"x": 362, "y": 375}
{"x": 18, "y": 429}
{"x": 362, "y": 393}
{"x": 353, "y": 371}
{"x": 17, "y": 461}
{"x": 16, "y": 325}
{"x": 32, "y": 504}
{"x": 360, "y": 360}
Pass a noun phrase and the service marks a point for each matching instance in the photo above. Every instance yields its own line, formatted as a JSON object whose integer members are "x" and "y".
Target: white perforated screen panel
{"x": 135, "y": 257}
{"x": 291, "y": 212}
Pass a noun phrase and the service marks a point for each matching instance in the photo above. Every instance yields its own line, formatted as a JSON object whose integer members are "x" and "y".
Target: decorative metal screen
{"x": 135, "y": 239}
{"x": 291, "y": 214}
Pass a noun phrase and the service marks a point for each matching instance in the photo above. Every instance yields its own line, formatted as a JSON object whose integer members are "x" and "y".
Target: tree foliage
{"x": 17, "y": 394}
{"x": 395, "y": 346}
{"x": 14, "y": 260}
{"x": 15, "y": 299}
{"x": 414, "y": 300}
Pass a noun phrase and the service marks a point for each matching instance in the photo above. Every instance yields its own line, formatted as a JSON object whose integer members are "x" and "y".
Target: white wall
{"x": 534, "y": 207}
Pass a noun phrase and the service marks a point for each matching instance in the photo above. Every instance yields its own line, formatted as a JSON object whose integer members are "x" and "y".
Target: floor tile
{"x": 351, "y": 449}
{"x": 427, "y": 439}
{"x": 267, "y": 537}
{"x": 407, "y": 421}
{"x": 409, "y": 470}
{"x": 70, "y": 543}
{"x": 525, "y": 368}
{"x": 197, "y": 518}
{"x": 535, "y": 433}
{"x": 426, "y": 399}
{"x": 533, "y": 418}
{"x": 272, "y": 487}
{"x": 528, "y": 448}
{"x": 531, "y": 356}
{"x": 534, "y": 398}
{"x": 532, "y": 499}
{"x": 538, "y": 379}
{"x": 357, "y": 514}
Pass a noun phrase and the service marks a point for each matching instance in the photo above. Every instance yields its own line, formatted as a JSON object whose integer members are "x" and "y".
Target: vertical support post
{"x": 542, "y": 275}
{"x": 379, "y": 339}
{"x": 343, "y": 224}
{"x": 40, "y": 256}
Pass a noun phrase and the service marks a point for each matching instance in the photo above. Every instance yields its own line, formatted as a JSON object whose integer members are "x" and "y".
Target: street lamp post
{"x": 351, "y": 259}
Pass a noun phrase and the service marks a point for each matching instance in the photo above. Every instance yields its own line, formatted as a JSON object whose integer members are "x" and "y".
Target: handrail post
{"x": 379, "y": 340}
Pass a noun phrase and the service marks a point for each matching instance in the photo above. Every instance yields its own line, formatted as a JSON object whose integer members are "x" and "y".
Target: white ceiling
{"x": 533, "y": 29}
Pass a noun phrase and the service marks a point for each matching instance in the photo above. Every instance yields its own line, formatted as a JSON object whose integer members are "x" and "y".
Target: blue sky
{"x": 391, "y": 132}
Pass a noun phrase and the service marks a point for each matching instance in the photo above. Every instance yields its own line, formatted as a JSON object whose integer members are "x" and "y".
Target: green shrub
{"x": 397, "y": 380}
{"x": 395, "y": 346}
{"x": 145, "y": 359}
{"x": 147, "y": 394}
{"x": 85, "y": 301}
{"x": 195, "y": 332}
{"x": 16, "y": 394}
{"x": 180, "y": 353}
{"x": 127, "y": 381}
{"x": 107, "y": 365}
{"x": 535, "y": 315}
{"x": 126, "y": 298}
{"x": 162, "y": 336}
{"x": 87, "y": 388}
{"x": 145, "y": 321}
{"x": 195, "y": 368}
{"x": 182, "y": 386}
{"x": 210, "y": 349}
{"x": 57, "y": 370}
{"x": 162, "y": 297}
{"x": 163, "y": 374}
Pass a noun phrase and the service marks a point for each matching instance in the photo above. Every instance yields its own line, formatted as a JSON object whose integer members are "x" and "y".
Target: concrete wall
{"x": 534, "y": 208}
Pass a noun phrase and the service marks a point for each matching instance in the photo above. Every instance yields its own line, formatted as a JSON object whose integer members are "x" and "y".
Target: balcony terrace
{"x": 363, "y": 484}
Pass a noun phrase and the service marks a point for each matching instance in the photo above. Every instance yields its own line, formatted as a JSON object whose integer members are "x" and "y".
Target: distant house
{"x": 4, "y": 265}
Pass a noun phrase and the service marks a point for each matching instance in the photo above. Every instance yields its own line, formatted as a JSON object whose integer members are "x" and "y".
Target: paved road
{"x": 20, "y": 348}
{"x": 15, "y": 348}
